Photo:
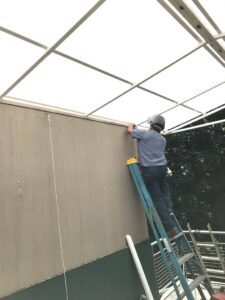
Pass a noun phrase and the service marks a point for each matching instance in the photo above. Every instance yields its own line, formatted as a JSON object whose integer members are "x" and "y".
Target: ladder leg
{"x": 172, "y": 262}
{"x": 148, "y": 207}
{"x": 153, "y": 215}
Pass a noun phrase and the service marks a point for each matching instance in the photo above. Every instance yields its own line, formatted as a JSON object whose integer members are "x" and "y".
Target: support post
{"x": 140, "y": 270}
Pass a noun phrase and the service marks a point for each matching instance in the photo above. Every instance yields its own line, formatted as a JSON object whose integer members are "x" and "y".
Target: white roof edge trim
{"x": 39, "y": 106}
{"x": 9, "y": 100}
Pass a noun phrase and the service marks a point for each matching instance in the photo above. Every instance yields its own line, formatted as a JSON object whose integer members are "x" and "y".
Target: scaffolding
{"x": 209, "y": 248}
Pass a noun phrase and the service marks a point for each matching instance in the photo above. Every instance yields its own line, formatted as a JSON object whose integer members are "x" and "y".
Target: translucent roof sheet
{"x": 209, "y": 100}
{"x": 216, "y": 10}
{"x": 44, "y": 20}
{"x": 15, "y": 57}
{"x": 190, "y": 76}
{"x": 126, "y": 38}
{"x": 64, "y": 83}
{"x": 112, "y": 59}
{"x": 133, "y": 106}
{"x": 178, "y": 116}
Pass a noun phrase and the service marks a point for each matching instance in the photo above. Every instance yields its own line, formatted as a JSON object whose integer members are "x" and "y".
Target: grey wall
{"x": 113, "y": 277}
{"x": 50, "y": 160}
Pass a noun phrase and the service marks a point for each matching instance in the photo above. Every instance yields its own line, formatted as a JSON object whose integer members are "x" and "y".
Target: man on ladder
{"x": 150, "y": 180}
{"x": 151, "y": 151}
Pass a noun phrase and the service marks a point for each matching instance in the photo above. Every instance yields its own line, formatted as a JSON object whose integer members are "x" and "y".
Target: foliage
{"x": 197, "y": 160}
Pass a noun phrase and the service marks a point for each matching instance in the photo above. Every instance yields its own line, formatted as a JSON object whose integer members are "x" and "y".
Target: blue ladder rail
{"x": 171, "y": 261}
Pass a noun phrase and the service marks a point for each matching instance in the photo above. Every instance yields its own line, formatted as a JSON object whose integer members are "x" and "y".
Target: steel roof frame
{"x": 196, "y": 25}
{"x": 216, "y": 51}
{"x": 208, "y": 17}
{"x": 173, "y": 130}
{"x": 69, "y": 57}
{"x": 220, "y": 36}
{"x": 189, "y": 99}
{"x": 146, "y": 79}
{"x": 191, "y": 29}
{"x": 197, "y": 126}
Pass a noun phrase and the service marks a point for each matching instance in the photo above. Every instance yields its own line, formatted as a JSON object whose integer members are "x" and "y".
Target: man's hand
{"x": 131, "y": 127}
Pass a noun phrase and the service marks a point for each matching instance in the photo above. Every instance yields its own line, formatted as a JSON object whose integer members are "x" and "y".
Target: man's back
{"x": 151, "y": 147}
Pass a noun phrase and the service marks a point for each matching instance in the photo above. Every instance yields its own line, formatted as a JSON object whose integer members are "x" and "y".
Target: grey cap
{"x": 157, "y": 119}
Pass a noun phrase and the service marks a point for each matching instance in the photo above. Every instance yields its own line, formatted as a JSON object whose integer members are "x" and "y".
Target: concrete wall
{"x": 61, "y": 172}
{"x": 113, "y": 277}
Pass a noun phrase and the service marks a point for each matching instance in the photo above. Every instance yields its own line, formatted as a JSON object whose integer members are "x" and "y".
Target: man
{"x": 151, "y": 151}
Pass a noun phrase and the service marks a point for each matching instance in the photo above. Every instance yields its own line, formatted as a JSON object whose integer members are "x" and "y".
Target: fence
{"x": 207, "y": 246}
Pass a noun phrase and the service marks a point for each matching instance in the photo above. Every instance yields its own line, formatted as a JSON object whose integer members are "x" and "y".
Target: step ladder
{"x": 172, "y": 261}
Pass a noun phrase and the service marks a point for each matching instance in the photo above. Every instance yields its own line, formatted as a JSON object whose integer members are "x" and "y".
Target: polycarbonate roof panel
{"x": 216, "y": 10}
{"x": 221, "y": 42}
{"x": 189, "y": 77}
{"x": 178, "y": 116}
{"x": 66, "y": 84}
{"x": 44, "y": 20}
{"x": 134, "y": 107}
{"x": 175, "y": 117}
{"x": 125, "y": 38}
{"x": 129, "y": 39}
{"x": 15, "y": 57}
{"x": 209, "y": 100}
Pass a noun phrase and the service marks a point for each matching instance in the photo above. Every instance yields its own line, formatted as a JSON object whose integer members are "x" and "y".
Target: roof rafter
{"x": 197, "y": 126}
{"x": 185, "y": 16}
{"x": 69, "y": 57}
{"x": 146, "y": 79}
{"x": 196, "y": 119}
{"x": 187, "y": 100}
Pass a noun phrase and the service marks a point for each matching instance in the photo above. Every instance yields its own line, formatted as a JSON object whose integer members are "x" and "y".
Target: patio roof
{"x": 115, "y": 60}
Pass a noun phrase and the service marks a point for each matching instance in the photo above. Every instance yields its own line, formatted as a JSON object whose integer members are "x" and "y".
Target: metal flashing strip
{"x": 57, "y": 110}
